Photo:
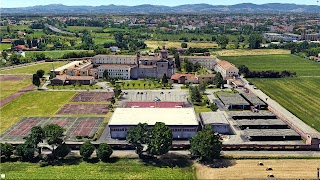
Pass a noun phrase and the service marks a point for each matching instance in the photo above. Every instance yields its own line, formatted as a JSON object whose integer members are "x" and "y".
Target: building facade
{"x": 226, "y": 69}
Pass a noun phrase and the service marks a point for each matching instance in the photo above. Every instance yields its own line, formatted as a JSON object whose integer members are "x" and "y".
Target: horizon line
{"x": 156, "y": 5}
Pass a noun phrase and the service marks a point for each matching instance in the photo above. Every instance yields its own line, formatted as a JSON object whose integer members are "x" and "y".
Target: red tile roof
{"x": 106, "y": 66}
{"x": 227, "y": 66}
{"x": 188, "y": 76}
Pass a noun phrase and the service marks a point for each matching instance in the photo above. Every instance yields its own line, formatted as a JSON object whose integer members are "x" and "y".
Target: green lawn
{"x": 121, "y": 169}
{"x": 32, "y": 104}
{"x": 202, "y": 106}
{"x": 8, "y": 88}
{"x": 301, "y": 66}
{"x": 301, "y": 96}
{"x": 4, "y": 46}
{"x": 52, "y": 54}
{"x": 77, "y": 87}
{"x": 33, "y": 68}
{"x": 140, "y": 84}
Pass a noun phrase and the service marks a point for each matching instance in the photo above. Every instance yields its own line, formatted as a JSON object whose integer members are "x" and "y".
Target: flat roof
{"x": 270, "y": 132}
{"x": 262, "y": 122}
{"x": 67, "y": 66}
{"x": 232, "y": 99}
{"x": 169, "y": 116}
{"x": 250, "y": 113}
{"x": 213, "y": 118}
{"x": 253, "y": 99}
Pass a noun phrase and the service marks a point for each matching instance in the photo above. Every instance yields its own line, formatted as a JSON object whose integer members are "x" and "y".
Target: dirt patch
{"x": 13, "y": 77}
{"x": 12, "y": 97}
{"x": 241, "y": 169}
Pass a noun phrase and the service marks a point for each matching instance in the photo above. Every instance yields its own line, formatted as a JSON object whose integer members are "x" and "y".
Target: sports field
{"x": 32, "y": 104}
{"x": 303, "y": 67}
{"x": 301, "y": 96}
{"x": 47, "y": 66}
{"x": 120, "y": 169}
{"x": 242, "y": 169}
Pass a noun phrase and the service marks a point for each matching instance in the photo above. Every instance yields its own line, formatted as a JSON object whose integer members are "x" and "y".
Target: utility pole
{"x": 318, "y": 173}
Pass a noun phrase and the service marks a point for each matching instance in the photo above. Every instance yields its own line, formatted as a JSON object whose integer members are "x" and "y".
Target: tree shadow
{"x": 111, "y": 160}
{"x": 71, "y": 160}
{"x": 168, "y": 160}
{"x": 219, "y": 163}
{"x": 92, "y": 160}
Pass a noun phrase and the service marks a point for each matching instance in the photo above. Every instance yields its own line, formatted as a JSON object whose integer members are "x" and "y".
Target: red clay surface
{"x": 84, "y": 109}
{"x": 13, "y": 77}
{"x": 61, "y": 123}
{"x": 93, "y": 97}
{"x": 23, "y": 128}
{"x": 154, "y": 104}
{"x": 84, "y": 128}
{"x": 13, "y": 96}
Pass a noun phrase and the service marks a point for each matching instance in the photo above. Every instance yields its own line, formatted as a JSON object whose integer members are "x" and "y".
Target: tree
{"x": 86, "y": 150}
{"x": 196, "y": 67}
{"x": 54, "y": 135}
{"x": 164, "y": 79}
{"x": 184, "y": 45}
{"x": 113, "y": 100}
{"x": 206, "y": 144}
{"x": 117, "y": 91}
{"x": 202, "y": 87}
{"x": 241, "y": 38}
{"x": 222, "y": 41}
{"x": 35, "y": 80}
{"x": 177, "y": 61}
{"x": 188, "y": 66}
{"x": 254, "y": 41}
{"x": 195, "y": 94}
{"x": 36, "y": 136}
{"x": 25, "y": 152}
{"x": 160, "y": 139}
{"x": 105, "y": 74}
{"x": 8, "y": 29}
{"x": 213, "y": 107}
{"x": 62, "y": 151}
{"x": 4, "y": 54}
{"x": 218, "y": 80}
{"x": 104, "y": 152}
{"x": 40, "y": 73}
{"x": 137, "y": 136}
{"x": 243, "y": 70}
{"x": 6, "y": 150}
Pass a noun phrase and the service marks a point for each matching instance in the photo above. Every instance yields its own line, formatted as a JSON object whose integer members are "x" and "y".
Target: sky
{"x": 26, "y": 3}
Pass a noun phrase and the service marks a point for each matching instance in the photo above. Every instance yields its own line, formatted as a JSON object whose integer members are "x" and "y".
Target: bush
{"x": 104, "y": 152}
{"x": 86, "y": 150}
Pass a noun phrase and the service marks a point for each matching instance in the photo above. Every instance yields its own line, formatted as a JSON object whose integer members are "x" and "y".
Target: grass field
{"x": 121, "y": 169}
{"x": 81, "y": 28}
{"x": 301, "y": 96}
{"x": 169, "y": 44}
{"x": 303, "y": 67}
{"x": 4, "y": 46}
{"x": 29, "y": 105}
{"x": 8, "y": 88}
{"x": 247, "y": 52}
{"x": 33, "y": 68}
{"x": 52, "y": 54}
{"x": 242, "y": 169}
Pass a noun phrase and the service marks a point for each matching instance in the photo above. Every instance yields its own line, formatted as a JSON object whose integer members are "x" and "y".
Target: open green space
{"x": 177, "y": 44}
{"x": 202, "y": 106}
{"x": 303, "y": 67}
{"x": 7, "y": 88}
{"x": 4, "y": 46}
{"x": 52, "y": 54}
{"x": 121, "y": 169}
{"x": 74, "y": 87}
{"x": 81, "y": 28}
{"x": 47, "y": 66}
{"x": 32, "y": 104}
{"x": 140, "y": 84}
{"x": 301, "y": 96}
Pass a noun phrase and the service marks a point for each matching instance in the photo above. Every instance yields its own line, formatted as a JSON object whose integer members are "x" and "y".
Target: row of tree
{"x": 264, "y": 74}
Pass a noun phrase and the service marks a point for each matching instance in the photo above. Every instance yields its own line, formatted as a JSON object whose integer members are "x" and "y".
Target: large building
{"x": 226, "y": 69}
{"x": 206, "y": 61}
{"x": 182, "y": 121}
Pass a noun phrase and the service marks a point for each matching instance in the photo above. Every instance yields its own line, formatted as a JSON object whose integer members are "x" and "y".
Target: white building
{"x": 115, "y": 70}
{"x": 182, "y": 121}
{"x": 115, "y": 59}
{"x": 217, "y": 120}
{"x": 226, "y": 69}
{"x": 22, "y": 53}
{"x": 205, "y": 61}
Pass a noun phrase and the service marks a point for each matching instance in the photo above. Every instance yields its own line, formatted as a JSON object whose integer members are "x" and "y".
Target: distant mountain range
{"x": 187, "y": 8}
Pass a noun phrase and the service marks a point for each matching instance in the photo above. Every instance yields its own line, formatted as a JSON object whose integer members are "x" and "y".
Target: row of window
{"x": 114, "y": 70}
{"x": 174, "y": 130}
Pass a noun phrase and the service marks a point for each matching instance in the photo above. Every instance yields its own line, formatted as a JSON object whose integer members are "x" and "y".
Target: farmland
{"x": 81, "y": 28}
{"x": 302, "y": 67}
{"x": 247, "y": 52}
{"x": 241, "y": 169}
{"x": 121, "y": 169}
{"x": 301, "y": 96}
{"x": 172, "y": 44}
{"x": 29, "y": 105}
{"x": 52, "y": 54}
{"x": 33, "y": 68}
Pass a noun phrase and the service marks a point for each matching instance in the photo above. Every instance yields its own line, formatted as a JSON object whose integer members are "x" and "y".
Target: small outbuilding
{"x": 217, "y": 120}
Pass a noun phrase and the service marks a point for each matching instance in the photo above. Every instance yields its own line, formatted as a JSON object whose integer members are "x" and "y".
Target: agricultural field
{"x": 247, "y": 52}
{"x": 171, "y": 44}
{"x": 301, "y": 96}
{"x": 7, "y": 88}
{"x": 248, "y": 169}
{"x": 33, "y": 68}
{"x": 303, "y": 67}
{"x": 29, "y": 105}
{"x": 120, "y": 169}
{"x": 81, "y": 28}
{"x": 4, "y": 46}
{"x": 53, "y": 54}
